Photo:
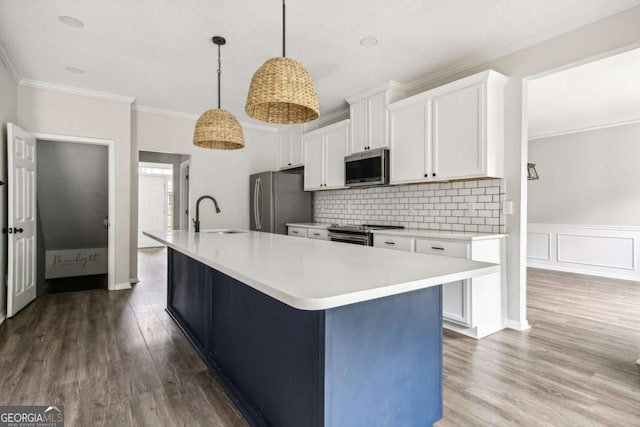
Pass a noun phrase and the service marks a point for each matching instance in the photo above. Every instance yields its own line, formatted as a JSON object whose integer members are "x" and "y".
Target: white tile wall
{"x": 437, "y": 206}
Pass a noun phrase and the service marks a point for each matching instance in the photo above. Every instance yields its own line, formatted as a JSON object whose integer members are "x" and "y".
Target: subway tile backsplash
{"x": 437, "y": 206}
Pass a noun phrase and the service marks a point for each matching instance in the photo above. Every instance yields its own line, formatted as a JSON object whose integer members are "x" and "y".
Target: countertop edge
{"x": 317, "y": 304}
{"x": 321, "y": 226}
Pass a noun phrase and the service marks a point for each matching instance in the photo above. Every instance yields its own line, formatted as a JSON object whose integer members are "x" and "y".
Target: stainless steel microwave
{"x": 367, "y": 168}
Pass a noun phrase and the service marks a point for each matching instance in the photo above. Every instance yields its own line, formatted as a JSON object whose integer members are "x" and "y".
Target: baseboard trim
{"x": 134, "y": 280}
{"x": 120, "y": 286}
{"x": 517, "y": 325}
{"x": 566, "y": 269}
{"x": 3, "y": 317}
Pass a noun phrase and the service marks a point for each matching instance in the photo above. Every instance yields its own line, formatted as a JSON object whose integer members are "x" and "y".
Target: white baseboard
{"x": 3, "y": 317}
{"x": 134, "y": 280}
{"x": 120, "y": 286}
{"x": 517, "y": 325}
{"x": 568, "y": 269}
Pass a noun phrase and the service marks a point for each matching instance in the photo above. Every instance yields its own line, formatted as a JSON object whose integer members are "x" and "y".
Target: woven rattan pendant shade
{"x": 218, "y": 129}
{"x": 282, "y": 91}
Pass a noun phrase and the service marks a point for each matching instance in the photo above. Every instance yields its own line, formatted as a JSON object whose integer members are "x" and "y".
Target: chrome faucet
{"x": 196, "y": 222}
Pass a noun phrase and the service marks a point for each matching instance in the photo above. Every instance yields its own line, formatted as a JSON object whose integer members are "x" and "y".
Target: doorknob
{"x": 17, "y": 230}
{"x": 12, "y": 230}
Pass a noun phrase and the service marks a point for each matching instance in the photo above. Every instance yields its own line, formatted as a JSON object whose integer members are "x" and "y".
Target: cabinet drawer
{"x": 400, "y": 243}
{"x": 297, "y": 231}
{"x": 444, "y": 248}
{"x": 320, "y": 234}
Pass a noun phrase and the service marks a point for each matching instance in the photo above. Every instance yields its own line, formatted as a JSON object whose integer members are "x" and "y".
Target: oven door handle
{"x": 348, "y": 238}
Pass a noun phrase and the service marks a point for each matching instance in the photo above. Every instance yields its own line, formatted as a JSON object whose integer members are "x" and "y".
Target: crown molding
{"x": 193, "y": 117}
{"x": 327, "y": 119}
{"x": 578, "y": 127}
{"x": 76, "y": 91}
{"x": 6, "y": 60}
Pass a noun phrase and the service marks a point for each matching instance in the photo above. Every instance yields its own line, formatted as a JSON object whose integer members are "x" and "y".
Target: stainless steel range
{"x": 356, "y": 234}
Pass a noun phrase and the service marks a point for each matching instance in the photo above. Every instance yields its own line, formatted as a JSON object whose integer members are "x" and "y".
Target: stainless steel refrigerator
{"x": 277, "y": 198}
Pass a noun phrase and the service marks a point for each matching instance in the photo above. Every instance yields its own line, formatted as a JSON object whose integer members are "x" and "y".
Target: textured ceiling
{"x": 599, "y": 93}
{"x": 159, "y": 51}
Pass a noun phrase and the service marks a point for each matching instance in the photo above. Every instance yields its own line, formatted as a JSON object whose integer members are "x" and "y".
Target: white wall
{"x": 597, "y": 39}
{"x": 53, "y": 112}
{"x": 587, "y": 177}
{"x": 8, "y": 113}
{"x": 224, "y": 174}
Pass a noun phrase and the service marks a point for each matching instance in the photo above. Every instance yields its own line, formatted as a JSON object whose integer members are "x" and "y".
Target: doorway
{"x": 155, "y": 200}
{"x": 72, "y": 216}
{"x": 163, "y": 194}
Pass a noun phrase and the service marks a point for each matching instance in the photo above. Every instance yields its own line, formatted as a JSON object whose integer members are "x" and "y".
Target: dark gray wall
{"x": 175, "y": 160}
{"x": 73, "y": 194}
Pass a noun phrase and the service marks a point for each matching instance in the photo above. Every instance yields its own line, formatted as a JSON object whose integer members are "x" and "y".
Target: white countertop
{"x": 311, "y": 274}
{"x": 440, "y": 234}
{"x": 309, "y": 224}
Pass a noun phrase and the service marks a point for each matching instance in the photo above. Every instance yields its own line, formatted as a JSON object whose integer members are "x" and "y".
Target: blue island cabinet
{"x": 374, "y": 363}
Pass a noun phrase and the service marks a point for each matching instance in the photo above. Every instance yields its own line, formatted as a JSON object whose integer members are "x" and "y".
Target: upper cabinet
{"x": 370, "y": 117}
{"x": 451, "y": 132}
{"x": 324, "y": 152}
{"x": 291, "y": 148}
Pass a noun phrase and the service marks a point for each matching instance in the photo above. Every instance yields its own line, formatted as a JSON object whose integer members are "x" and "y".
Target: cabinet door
{"x": 313, "y": 162}
{"x": 377, "y": 119}
{"x": 284, "y": 148}
{"x": 455, "y": 302}
{"x": 408, "y": 138}
{"x": 296, "y": 146}
{"x": 358, "y": 127}
{"x": 458, "y": 133}
{"x": 336, "y": 142}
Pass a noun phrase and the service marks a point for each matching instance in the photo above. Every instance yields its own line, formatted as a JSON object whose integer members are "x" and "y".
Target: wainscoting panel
{"x": 609, "y": 251}
{"x": 539, "y": 246}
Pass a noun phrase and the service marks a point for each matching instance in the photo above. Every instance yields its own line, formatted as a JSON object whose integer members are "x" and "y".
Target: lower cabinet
{"x": 456, "y": 306}
{"x": 472, "y": 307}
{"x": 308, "y": 232}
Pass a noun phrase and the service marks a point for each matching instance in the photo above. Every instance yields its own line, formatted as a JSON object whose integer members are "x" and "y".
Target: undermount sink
{"x": 223, "y": 231}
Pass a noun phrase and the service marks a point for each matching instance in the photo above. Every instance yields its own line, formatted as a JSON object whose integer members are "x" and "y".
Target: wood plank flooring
{"x": 115, "y": 358}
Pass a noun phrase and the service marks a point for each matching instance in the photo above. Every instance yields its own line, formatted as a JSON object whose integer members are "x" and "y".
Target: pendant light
{"x": 218, "y": 129}
{"x": 282, "y": 90}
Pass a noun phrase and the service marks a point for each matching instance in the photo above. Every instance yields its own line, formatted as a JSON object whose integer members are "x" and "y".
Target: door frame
{"x": 110, "y": 144}
{"x": 185, "y": 170}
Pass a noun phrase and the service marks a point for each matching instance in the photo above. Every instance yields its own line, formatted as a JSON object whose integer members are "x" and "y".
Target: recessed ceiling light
{"x": 71, "y": 21}
{"x": 75, "y": 70}
{"x": 368, "y": 42}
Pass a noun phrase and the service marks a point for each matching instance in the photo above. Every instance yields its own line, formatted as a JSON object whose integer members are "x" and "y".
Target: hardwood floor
{"x": 574, "y": 367}
{"x": 115, "y": 358}
{"x": 111, "y": 358}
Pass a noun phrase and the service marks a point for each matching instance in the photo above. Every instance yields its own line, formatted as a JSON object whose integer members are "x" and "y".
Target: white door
{"x": 313, "y": 162}
{"x": 152, "y": 205}
{"x": 408, "y": 139}
{"x": 21, "y": 271}
{"x": 458, "y": 133}
{"x": 336, "y": 144}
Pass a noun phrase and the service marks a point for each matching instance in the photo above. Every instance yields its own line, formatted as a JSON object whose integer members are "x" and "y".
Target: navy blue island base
{"x": 374, "y": 363}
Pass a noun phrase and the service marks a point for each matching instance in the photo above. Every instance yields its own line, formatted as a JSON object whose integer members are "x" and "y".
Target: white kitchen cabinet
{"x": 370, "y": 117}
{"x": 318, "y": 233}
{"x": 472, "y": 307}
{"x": 297, "y": 231}
{"x": 291, "y": 148}
{"x": 451, "y": 132}
{"x": 399, "y": 243}
{"x": 456, "y": 306}
{"x": 324, "y": 152}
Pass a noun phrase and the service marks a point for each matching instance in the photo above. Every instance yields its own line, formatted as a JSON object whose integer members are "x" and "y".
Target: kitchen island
{"x": 314, "y": 333}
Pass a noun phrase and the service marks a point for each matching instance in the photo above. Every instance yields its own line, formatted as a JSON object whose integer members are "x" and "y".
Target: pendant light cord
{"x": 219, "y": 74}
{"x": 284, "y": 19}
